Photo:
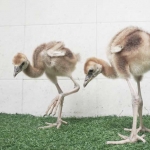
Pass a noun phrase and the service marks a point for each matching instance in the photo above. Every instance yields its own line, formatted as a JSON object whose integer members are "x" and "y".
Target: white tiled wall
{"x": 86, "y": 27}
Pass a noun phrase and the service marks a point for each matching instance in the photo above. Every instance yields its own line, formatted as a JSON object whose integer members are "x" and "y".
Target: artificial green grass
{"x": 20, "y": 132}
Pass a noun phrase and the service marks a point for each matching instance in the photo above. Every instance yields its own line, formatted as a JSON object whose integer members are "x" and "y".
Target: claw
{"x": 126, "y": 129}
{"x": 139, "y": 129}
{"x": 54, "y": 104}
{"x": 118, "y": 142}
{"x": 130, "y": 139}
{"x": 48, "y": 123}
{"x": 52, "y": 109}
{"x": 141, "y": 138}
{"x": 57, "y": 104}
{"x": 123, "y": 136}
{"x": 49, "y": 113}
{"x": 51, "y": 105}
{"x": 57, "y": 124}
{"x": 64, "y": 122}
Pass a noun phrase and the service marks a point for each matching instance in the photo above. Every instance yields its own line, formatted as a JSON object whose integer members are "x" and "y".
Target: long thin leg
{"x": 52, "y": 106}
{"x": 141, "y": 105}
{"x": 54, "y": 101}
{"x": 135, "y": 99}
{"x": 76, "y": 88}
{"x": 62, "y": 95}
{"x": 58, "y": 101}
{"x": 59, "y": 120}
{"x": 141, "y": 128}
{"x": 133, "y": 136}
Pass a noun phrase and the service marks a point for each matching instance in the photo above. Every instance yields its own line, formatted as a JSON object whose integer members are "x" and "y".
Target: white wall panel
{"x": 11, "y": 42}
{"x": 12, "y": 12}
{"x": 11, "y": 96}
{"x": 83, "y": 103}
{"x": 86, "y": 27}
{"x": 37, "y": 95}
{"x": 123, "y": 10}
{"x": 60, "y": 11}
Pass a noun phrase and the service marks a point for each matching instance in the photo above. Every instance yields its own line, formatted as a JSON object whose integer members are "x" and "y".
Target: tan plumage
{"x": 55, "y": 60}
{"x": 129, "y": 55}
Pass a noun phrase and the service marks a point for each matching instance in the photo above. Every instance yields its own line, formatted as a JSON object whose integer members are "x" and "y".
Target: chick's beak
{"x": 15, "y": 74}
{"x": 16, "y": 71}
{"x": 87, "y": 80}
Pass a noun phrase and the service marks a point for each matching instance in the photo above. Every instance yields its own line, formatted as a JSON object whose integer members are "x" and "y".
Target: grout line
{"x": 39, "y": 79}
{"x": 148, "y": 21}
{"x": 11, "y": 25}
{"x": 99, "y": 78}
{"x": 96, "y": 52}
{"x": 22, "y": 98}
{"x": 76, "y": 23}
{"x": 25, "y": 13}
{"x": 53, "y": 24}
{"x": 24, "y": 27}
{"x": 23, "y": 52}
{"x": 96, "y": 28}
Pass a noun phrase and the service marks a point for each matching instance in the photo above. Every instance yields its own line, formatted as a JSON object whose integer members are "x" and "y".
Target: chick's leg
{"x": 58, "y": 102}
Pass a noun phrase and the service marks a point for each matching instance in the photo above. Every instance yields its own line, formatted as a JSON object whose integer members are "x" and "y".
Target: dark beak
{"x": 15, "y": 74}
{"x": 16, "y": 70}
{"x": 88, "y": 78}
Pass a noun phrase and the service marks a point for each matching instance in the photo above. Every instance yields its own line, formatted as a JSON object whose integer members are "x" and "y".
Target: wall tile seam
{"x": 48, "y": 24}
{"x": 37, "y": 79}
{"x": 65, "y": 23}
{"x": 48, "y": 79}
{"x": 22, "y": 96}
{"x": 2, "y": 26}
{"x": 96, "y": 29}
{"x": 98, "y": 22}
{"x": 132, "y": 21}
{"x": 97, "y": 111}
{"x": 78, "y": 79}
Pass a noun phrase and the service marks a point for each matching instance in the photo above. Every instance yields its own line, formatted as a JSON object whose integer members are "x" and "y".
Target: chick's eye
{"x": 90, "y": 70}
{"x": 22, "y": 65}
